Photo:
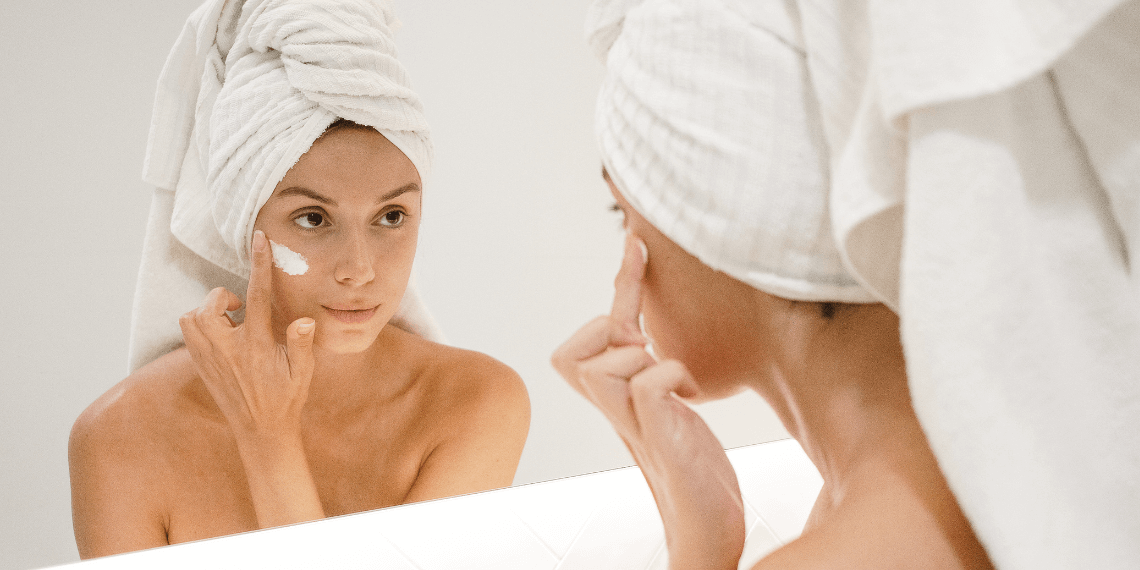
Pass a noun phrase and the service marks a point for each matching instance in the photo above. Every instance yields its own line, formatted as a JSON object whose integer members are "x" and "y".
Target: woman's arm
{"x": 114, "y": 506}
{"x": 260, "y": 387}
{"x": 685, "y": 466}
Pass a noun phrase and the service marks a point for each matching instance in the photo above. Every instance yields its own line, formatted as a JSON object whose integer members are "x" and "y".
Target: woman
{"x": 315, "y": 405}
{"x": 971, "y": 166}
{"x": 716, "y": 161}
{"x": 833, "y": 372}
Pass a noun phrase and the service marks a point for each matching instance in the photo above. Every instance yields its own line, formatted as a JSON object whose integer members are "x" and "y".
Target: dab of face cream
{"x": 288, "y": 260}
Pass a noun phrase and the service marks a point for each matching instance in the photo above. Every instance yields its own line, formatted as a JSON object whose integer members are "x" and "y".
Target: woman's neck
{"x": 374, "y": 375}
{"x": 839, "y": 386}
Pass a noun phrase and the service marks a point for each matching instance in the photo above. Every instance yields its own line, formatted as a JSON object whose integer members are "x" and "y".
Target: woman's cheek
{"x": 296, "y": 268}
{"x": 676, "y": 331}
{"x": 288, "y": 261}
{"x": 657, "y": 327}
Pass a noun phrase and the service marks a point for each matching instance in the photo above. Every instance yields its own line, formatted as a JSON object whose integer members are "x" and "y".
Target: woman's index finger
{"x": 259, "y": 293}
{"x": 220, "y": 301}
{"x": 625, "y": 326}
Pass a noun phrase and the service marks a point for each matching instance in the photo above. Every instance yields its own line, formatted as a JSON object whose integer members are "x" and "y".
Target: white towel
{"x": 247, "y": 88}
{"x": 986, "y": 173}
{"x": 704, "y": 125}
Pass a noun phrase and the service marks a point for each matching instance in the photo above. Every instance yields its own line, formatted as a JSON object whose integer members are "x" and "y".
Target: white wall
{"x": 517, "y": 249}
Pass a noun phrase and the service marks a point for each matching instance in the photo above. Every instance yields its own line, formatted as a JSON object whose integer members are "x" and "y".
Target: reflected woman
{"x": 297, "y": 163}
{"x": 715, "y": 161}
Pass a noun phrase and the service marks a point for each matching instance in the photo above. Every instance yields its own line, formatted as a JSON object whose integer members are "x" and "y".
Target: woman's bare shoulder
{"x": 465, "y": 375}
{"x": 479, "y": 414}
{"x": 885, "y": 526}
{"x": 470, "y": 387}
{"x": 127, "y": 451}
{"x": 800, "y": 554}
{"x": 153, "y": 403}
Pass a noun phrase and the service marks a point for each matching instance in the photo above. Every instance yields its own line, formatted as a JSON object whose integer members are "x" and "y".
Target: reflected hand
{"x": 688, "y": 472}
{"x": 259, "y": 385}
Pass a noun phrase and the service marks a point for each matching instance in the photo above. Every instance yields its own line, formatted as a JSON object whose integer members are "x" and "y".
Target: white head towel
{"x": 706, "y": 126}
{"x": 246, "y": 90}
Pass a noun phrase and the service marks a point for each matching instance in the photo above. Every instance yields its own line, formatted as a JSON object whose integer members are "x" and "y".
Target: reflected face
{"x": 351, "y": 208}
{"x": 694, "y": 313}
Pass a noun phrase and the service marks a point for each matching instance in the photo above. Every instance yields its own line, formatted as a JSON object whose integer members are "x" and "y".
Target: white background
{"x": 517, "y": 250}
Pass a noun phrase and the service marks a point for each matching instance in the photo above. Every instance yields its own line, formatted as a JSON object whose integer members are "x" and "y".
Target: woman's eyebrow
{"x": 301, "y": 191}
{"x": 409, "y": 187}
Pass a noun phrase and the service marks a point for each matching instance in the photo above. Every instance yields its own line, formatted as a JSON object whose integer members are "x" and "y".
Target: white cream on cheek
{"x": 288, "y": 260}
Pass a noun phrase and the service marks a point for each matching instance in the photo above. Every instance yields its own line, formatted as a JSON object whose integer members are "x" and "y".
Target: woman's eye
{"x": 392, "y": 218}
{"x": 310, "y": 220}
{"x": 615, "y": 208}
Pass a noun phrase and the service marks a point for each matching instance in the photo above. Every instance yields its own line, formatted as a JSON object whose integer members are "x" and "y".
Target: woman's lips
{"x": 352, "y": 316}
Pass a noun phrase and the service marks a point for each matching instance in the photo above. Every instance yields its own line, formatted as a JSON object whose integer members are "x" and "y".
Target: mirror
{"x": 517, "y": 250}
{"x": 599, "y": 521}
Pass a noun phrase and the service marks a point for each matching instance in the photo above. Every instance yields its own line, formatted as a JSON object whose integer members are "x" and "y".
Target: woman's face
{"x": 351, "y": 208}
{"x": 693, "y": 313}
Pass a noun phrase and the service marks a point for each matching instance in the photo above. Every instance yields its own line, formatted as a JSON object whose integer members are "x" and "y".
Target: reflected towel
{"x": 247, "y": 88}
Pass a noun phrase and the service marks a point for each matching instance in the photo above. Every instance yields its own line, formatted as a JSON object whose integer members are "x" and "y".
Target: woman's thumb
{"x": 299, "y": 348}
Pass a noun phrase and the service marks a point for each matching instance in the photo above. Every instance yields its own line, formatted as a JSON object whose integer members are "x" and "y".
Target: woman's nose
{"x": 354, "y": 266}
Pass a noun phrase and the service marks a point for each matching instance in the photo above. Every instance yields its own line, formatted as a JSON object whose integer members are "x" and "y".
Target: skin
{"x": 295, "y": 414}
{"x": 838, "y": 384}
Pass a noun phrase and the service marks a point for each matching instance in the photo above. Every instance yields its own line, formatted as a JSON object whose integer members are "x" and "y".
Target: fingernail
{"x": 259, "y": 241}
{"x": 306, "y": 328}
{"x": 644, "y": 251}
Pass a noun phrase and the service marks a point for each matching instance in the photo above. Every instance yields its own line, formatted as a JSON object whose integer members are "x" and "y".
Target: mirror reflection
{"x": 294, "y": 163}
{"x": 516, "y": 246}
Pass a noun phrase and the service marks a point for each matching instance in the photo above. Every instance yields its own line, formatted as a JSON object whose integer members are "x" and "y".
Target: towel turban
{"x": 706, "y": 125}
{"x": 271, "y": 76}
{"x": 248, "y": 87}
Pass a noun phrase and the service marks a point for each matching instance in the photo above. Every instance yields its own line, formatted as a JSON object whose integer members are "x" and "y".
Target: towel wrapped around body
{"x": 248, "y": 87}
{"x": 974, "y": 165}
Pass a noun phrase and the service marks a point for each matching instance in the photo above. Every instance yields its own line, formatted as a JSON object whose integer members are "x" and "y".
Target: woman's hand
{"x": 260, "y": 387}
{"x": 692, "y": 481}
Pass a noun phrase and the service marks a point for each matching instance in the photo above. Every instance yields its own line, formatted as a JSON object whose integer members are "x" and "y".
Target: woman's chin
{"x": 345, "y": 343}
